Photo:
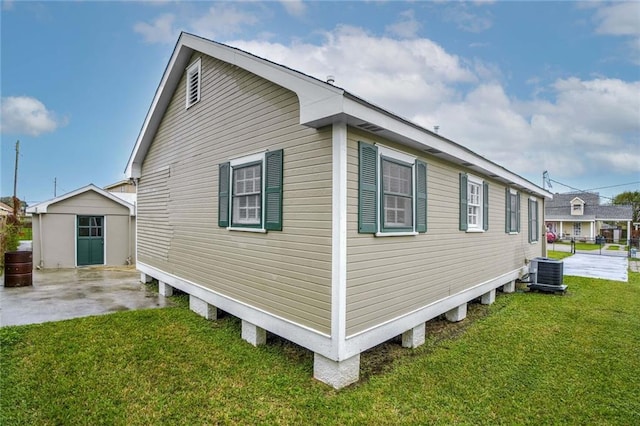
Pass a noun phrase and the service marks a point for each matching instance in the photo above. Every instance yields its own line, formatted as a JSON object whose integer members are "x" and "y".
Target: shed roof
{"x": 321, "y": 104}
{"x": 42, "y": 207}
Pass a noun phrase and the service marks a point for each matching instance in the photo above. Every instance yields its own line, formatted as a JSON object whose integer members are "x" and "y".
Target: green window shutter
{"x": 223, "y": 194}
{"x": 273, "y": 190}
{"x": 367, "y": 188}
{"x": 518, "y": 212}
{"x": 463, "y": 202}
{"x": 421, "y": 196}
{"x": 529, "y": 224}
{"x": 507, "y": 211}
{"x": 485, "y": 206}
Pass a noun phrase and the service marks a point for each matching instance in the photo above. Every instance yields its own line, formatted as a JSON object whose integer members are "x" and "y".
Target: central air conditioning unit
{"x": 546, "y": 274}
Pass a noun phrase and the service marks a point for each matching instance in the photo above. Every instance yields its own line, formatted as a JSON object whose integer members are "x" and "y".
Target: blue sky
{"x": 533, "y": 86}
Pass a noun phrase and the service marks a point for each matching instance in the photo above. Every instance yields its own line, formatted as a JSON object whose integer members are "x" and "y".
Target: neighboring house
{"x": 123, "y": 186}
{"x": 88, "y": 226}
{"x": 580, "y": 215}
{"x": 315, "y": 215}
{"x": 5, "y": 211}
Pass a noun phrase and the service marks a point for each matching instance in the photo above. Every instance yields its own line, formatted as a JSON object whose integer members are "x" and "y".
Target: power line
{"x": 614, "y": 186}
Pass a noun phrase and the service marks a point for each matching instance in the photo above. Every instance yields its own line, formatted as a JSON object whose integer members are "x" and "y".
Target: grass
{"x": 613, "y": 247}
{"x": 558, "y": 254}
{"x": 579, "y": 246}
{"x": 529, "y": 358}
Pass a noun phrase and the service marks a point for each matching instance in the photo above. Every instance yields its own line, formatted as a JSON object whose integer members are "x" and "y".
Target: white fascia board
{"x": 42, "y": 207}
{"x": 405, "y": 132}
{"x": 161, "y": 99}
{"x": 317, "y": 99}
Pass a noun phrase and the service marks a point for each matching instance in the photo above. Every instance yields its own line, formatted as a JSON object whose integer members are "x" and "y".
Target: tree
{"x": 9, "y": 201}
{"x": 632, "y": 199}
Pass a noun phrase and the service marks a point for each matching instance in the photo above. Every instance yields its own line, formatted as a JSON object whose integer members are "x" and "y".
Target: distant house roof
{"x": 5, "y": 209}
{"x": 118, "y": 184}
{"x": 321, "y": 104}
{"x": 42, "y": 207}
{"x": 559, "y": 209}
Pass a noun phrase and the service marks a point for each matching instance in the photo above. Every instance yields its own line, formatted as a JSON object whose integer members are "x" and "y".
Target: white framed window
{"x": 250, "y": 192}
{"x": 397, "y": 194}
{"x": 247, "y": 195}
{"x": 193, "y": 84}
{"x": 474, "y": 204}
{"x": 392, "y": 192}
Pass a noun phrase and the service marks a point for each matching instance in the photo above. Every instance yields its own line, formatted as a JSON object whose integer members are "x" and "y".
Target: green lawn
{"x": 579, "y": 246}
{"x": 530, "y": 358}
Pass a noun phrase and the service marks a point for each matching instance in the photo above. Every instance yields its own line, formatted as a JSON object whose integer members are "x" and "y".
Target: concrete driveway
{"x": 596, "y": 266}
{"x": 72, "y": 293}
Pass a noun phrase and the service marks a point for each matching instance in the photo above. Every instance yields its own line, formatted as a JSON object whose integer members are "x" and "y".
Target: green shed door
{"x": 90, "y": 240}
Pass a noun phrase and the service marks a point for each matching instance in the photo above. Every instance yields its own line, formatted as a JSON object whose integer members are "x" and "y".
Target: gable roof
{"x": 42, "y": 207}
{"x": 560, "y": 208}
{"x": 321, "y": 104}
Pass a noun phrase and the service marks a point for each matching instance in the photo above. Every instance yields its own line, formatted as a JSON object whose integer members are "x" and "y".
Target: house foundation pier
{"x": 336, "y": 373}
{"x": 253, "y": 334}
{"x": 203, "y": 308}
{"x": 414, "y": 337}
{"x": 457, "y": 314}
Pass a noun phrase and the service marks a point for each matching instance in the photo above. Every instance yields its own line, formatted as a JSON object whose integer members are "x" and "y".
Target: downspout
{"x": 41, "y": 263}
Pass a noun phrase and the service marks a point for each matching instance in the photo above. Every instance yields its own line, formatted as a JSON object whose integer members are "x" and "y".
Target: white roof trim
{"x": 320, "y": 104}
{"x": 42, "y": 207}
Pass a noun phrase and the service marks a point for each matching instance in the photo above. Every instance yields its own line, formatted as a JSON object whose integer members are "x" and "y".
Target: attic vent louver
{"x": 193, "y": 83}
{"x": 370, "y": 127}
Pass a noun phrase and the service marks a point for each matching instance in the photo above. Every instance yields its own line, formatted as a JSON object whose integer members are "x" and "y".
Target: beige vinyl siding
{"x": 388, "y": 277}
{"x": 88, "y": 203}
{"x": 286, "y": 273}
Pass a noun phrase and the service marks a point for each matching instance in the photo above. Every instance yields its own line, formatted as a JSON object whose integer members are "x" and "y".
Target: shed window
{"x": 393, "y": 201}
{"x": 193, "y": 84}
{"x": 474, "y": 203}
{"x": 250, "y": 193}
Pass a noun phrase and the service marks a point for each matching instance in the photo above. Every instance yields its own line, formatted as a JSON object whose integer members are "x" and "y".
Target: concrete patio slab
{"x": 596, "y": 266}
{"x": 72, "y": 293}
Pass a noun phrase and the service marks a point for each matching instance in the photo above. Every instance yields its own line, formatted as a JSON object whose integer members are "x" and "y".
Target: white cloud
{"x": 294, "y": 7}
{"x": 159, "y": 31}
{"x": 26, "y": 115}
{"x": 468, "y": 20}
{"x": 222, "y": 20}
{"x": 619, "y": 19}
{"x": 402, "y": 75}
{"x": 406, "y": 27}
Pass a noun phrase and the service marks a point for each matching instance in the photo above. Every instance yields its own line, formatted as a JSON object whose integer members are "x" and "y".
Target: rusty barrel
{"x": 18, "y": 268}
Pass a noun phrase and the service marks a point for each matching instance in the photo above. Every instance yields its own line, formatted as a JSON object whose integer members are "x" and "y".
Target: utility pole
{"x": 15, "y": 183}
{"x": 55, "y": 186}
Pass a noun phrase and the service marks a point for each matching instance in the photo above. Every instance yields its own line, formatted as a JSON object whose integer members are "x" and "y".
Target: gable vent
{"x": 193, "y": 83}
{"x": 370, "y": 127}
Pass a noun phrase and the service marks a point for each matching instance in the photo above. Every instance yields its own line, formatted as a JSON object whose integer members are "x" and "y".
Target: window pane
{"x": 83, "y": 232}
{"x": 83, "y": 221}
{"x": 396, "y": 178}
{"x": 397, "y": 211}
